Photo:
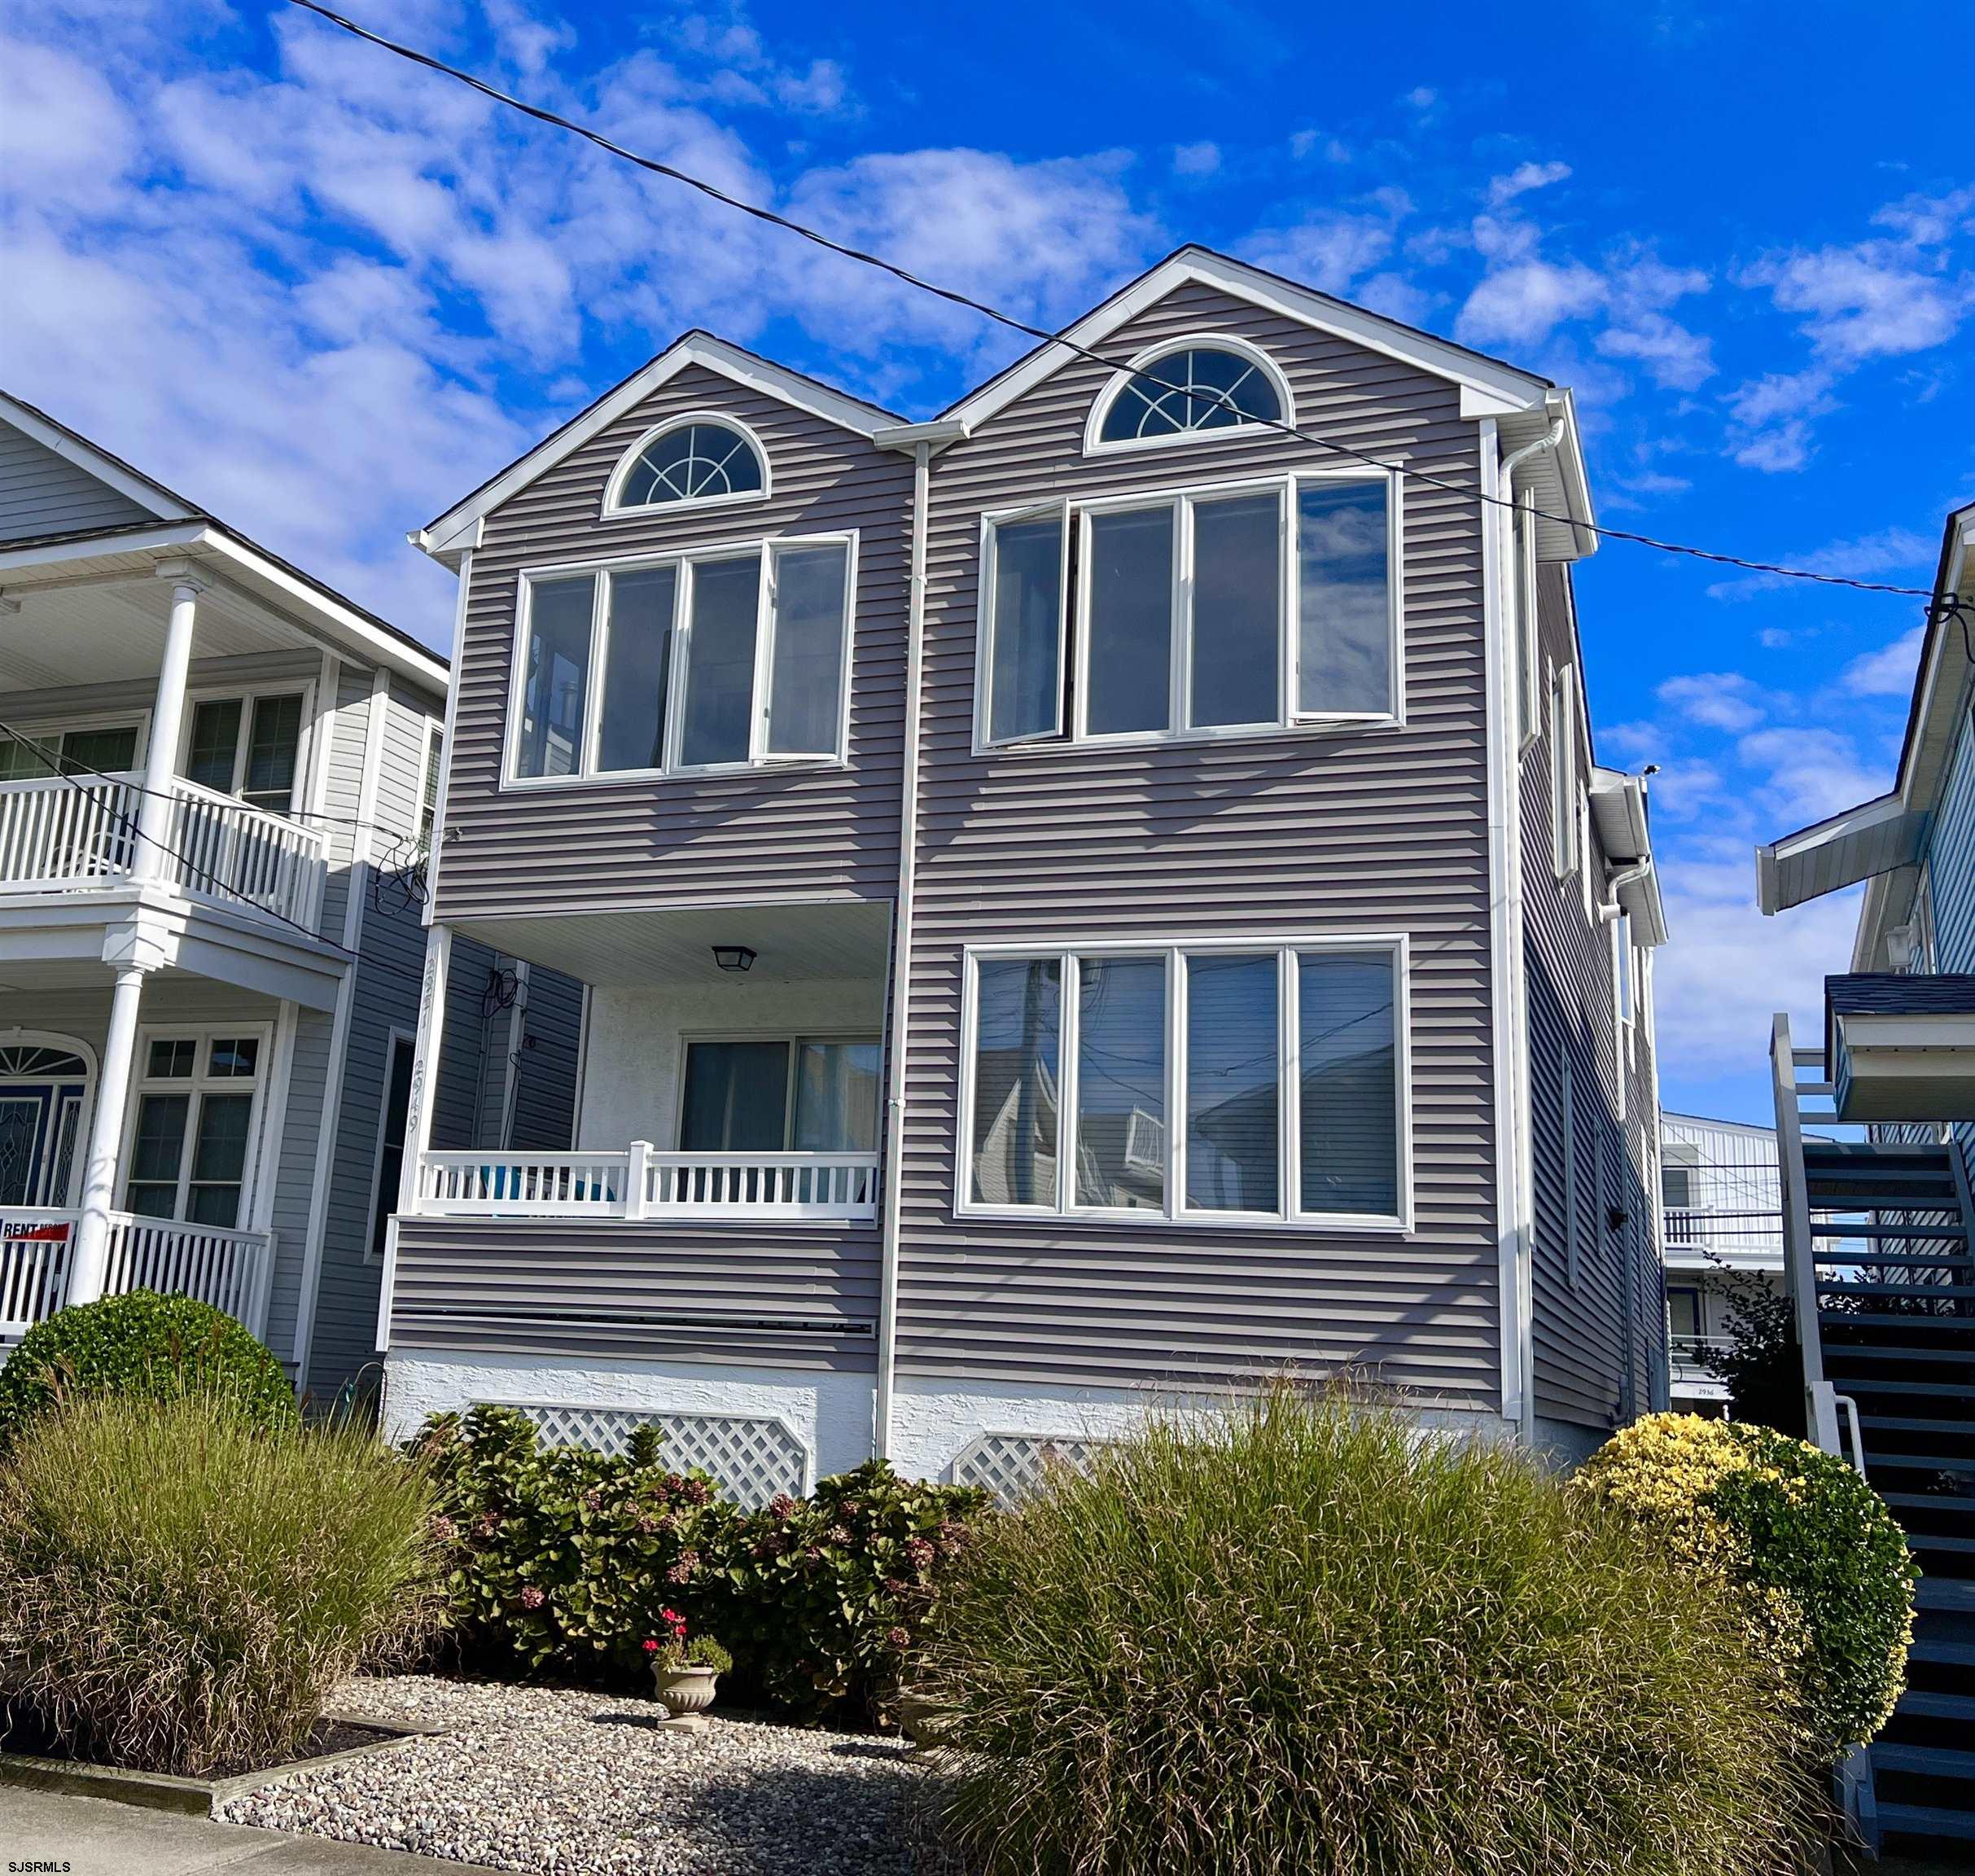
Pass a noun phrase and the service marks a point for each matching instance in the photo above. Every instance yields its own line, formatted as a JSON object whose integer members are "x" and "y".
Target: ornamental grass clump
{"x": 1808, "y": 1551}
{"x": 1306, "y": 1638}
{"x": 180, "y": 1589}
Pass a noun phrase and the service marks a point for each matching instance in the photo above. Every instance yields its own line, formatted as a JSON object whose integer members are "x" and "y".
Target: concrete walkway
{"x": 65, "y": 1836}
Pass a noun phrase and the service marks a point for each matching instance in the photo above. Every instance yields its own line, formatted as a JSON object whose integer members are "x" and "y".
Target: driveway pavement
{"x": 50, "y": 1834}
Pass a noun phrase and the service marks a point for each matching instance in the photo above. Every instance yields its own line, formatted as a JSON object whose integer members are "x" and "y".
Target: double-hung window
{"x": 711, "y": 659}
{"x": 192, "y": 1137}
{"x": 1228, "y": 608}
{"x": 1529, "y": 701}
{"x": 1197, "y": 1083}
{"x": 1567, "y": 811}
{"x": 249, "y": 746}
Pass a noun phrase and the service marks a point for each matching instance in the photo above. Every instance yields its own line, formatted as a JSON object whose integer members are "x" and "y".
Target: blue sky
{"x": 325, "y": 293}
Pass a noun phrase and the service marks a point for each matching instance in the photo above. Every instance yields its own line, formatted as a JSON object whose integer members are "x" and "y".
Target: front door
{"x": 42, "y": 1092}
{"x": 23, "y": 1127}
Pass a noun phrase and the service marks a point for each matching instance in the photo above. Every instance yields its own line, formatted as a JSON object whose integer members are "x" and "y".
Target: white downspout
{"x": 901, "y": 960}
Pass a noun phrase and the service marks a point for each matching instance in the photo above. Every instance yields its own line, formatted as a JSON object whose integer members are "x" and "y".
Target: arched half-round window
{"x": 697, "y": 459}
{"x": 1184, "y": 390}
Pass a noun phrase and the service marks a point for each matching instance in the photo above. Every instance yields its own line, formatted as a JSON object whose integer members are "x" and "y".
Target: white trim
{"x": 1509, "y": 1041}
{"x": 615, "y": 508}
{"x": 1498, "y": 384}
{"x": 446, "y": 535}
{"x": 432, "y": 743}
{"x": 419, "y": 1111}
{"x": 1101, "y": 406}
{"x": 436, "y": 855}
{"x": 1182, "y": 497}
{"x": 684, "y": 561}
{"x": 1289, "y": 1215}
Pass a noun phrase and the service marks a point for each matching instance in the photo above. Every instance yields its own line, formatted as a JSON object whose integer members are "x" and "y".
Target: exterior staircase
{"x": 1879, "y": 1243}
{"x": 1896, "y": 1320}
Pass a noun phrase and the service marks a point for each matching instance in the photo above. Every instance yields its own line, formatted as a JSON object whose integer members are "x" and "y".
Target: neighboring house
{"x": 1087, "y": 898}
{"x": 1879, "y": 1238}
{"x": 1723, "y": 1210}
{"x": 216, "y": 779}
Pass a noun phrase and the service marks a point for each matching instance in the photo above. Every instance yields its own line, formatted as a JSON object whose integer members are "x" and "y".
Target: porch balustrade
{"x": 229, "y": 1269}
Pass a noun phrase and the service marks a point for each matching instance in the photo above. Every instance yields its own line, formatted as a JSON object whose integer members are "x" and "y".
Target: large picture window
{"x": 708, "y": 660}
{"x": 192, "y": 1131}
{"x": 1230, "y": 608}
{"x": 1190, "y": 1082}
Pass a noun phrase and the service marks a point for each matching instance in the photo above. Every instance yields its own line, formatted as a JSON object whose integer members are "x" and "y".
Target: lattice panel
{"x": 1010, "y": 1464}
{"x": 751, "y": 1459}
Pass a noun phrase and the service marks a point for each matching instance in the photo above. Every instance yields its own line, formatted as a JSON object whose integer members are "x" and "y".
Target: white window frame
{"x": 1566, "y": 851}
{"x": 195, "y": 1086}
{"x": 1290, "y": 720}
{"x": 792, "y": 1040}
{"x": 55, "y": 728}
{"x": 430, "y": 753}
{"x": 1528, "y": 620}
{"x": 1289, "y": 1215}
{"x": 248, "y": 695}
{"x": 392, "y": 1038}
{"x": 1101, "y": 407}
{"x": 616, "y": 508}
{"x": 684, "y": 560}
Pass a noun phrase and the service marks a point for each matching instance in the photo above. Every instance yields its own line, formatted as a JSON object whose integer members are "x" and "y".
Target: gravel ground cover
{"x": 582, "y": 1784}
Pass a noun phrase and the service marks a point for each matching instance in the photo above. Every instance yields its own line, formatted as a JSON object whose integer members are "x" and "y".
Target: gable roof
{"x": 451, "y": 533}
{"x": 72, "y": 446}
{"x": 181, "y": 525}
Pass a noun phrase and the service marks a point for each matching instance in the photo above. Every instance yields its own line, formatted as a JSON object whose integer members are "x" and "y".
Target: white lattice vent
{"x": 751, "y": 1459}
{"x": 1010, "y": 1464}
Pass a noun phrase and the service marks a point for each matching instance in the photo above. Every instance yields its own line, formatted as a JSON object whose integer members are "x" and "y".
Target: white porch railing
{"x": 645, "y": 1184}
{"x": 229, "y": 1269}
{"x": 71, "y": 834}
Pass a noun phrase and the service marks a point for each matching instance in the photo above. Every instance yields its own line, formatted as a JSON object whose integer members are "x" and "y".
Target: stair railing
{"x": 1799, "y": 1249}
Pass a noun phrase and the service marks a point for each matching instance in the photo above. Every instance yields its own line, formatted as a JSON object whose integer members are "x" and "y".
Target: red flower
{"x": 674, "y": 1621}
{"x": 651, "y": 1646}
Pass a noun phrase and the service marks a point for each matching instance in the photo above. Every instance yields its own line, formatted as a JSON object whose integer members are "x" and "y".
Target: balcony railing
{"x": 1726, "y": 1234}
{"x": 229, "y": 1269}
{"x": 78, "y": 834}
{"x": 645, "y": 1184}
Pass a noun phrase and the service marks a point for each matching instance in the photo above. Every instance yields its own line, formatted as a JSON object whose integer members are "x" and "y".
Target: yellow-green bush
{"x": 1819, "y": 1566}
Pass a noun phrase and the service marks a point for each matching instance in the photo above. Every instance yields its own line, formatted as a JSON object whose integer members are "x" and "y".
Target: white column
{"x": 88, "y": 1264}
{"x": 418, "y": 1107}
{"x": 167, "y": 720}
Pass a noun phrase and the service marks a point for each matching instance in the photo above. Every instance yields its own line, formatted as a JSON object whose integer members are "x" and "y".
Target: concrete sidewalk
{"x": 60, "y": 1835}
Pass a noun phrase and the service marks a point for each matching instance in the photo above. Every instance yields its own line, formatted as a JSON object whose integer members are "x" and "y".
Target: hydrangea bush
{"x": 565, "y": 1562}
{"x": 1822, "y": 1568}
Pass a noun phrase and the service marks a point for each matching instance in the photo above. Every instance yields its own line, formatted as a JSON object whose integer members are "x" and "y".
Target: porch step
{"x": 1917, "y": 1292}
{"x": 1933, "y": 1233}
{"x": 1888, "y": 1423}
{"x": 1927, "y": 1704}
{"x": 1930, "y": 1761}
{"x": 1943, "y": 1654}
{"x": 1935, "y": 1592}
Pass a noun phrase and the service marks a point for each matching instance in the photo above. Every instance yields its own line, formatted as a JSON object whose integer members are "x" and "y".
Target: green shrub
{"x": 1760, "y": 1363}
{"x": 143, "y": 1344}
{"x": 1826, "y": 1577}
{"x": 1302, "y": 1637}
{"x": 561, "y": 1558}
{"x": 831, "y": 1593}
{"x": 179, "y": 1587}
{"x": 562, "y": 1561}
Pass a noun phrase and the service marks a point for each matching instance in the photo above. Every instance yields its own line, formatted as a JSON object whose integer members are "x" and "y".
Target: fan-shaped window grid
{"x": 1201, "y": 388}
{"x": 694, "y": 463}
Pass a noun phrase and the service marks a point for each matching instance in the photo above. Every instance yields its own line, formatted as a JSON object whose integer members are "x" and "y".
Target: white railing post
{"x": 636, "y": 1170}
{"x": 1799, "y": 1249}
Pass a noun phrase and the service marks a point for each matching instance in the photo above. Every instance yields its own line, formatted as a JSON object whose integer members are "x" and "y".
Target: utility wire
{"x": 955, "y": 297}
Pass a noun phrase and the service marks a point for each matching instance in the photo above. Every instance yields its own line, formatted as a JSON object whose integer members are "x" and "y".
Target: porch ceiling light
{"x": 733, "y": 957}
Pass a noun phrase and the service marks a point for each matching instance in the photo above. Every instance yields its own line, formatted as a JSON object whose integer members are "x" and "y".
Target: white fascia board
{"x": 1617, "y": 797}
{"x": 444, "y": 536}
{"x": 938, "y": 432}
{"x": 165, "y": 538}
{"x": 127, "y": 482}
{"x": 1505, "y": 386}
{"x": 1866, "y": 818}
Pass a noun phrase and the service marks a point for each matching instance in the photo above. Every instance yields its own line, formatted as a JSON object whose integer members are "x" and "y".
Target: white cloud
{"x": 1888, "y": 671}
{"x": 1330, "y": 252}
{"x": 1673, "y": 356}
{"x": 1809, "y": 772}
{"x": 1719, "y": 700}
{"x": 1874, "y": 299}
{"x": 1770, "y": 418}
{"x": 1887, "y": 551}
{"x": 1196, "y": 158}
{"x": 1524, "y": 177}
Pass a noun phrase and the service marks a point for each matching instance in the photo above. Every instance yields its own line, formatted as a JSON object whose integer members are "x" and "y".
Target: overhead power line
{"x": 953, "y": 296}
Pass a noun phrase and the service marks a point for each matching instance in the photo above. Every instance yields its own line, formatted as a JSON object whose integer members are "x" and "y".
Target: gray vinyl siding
{"x": 732, "y": 838}
{"x": 1579, "y": 1329}
{"x": 794, "y": 1295}
{"x": 43, "y": 492}
{"x": 1371, "y": 831}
